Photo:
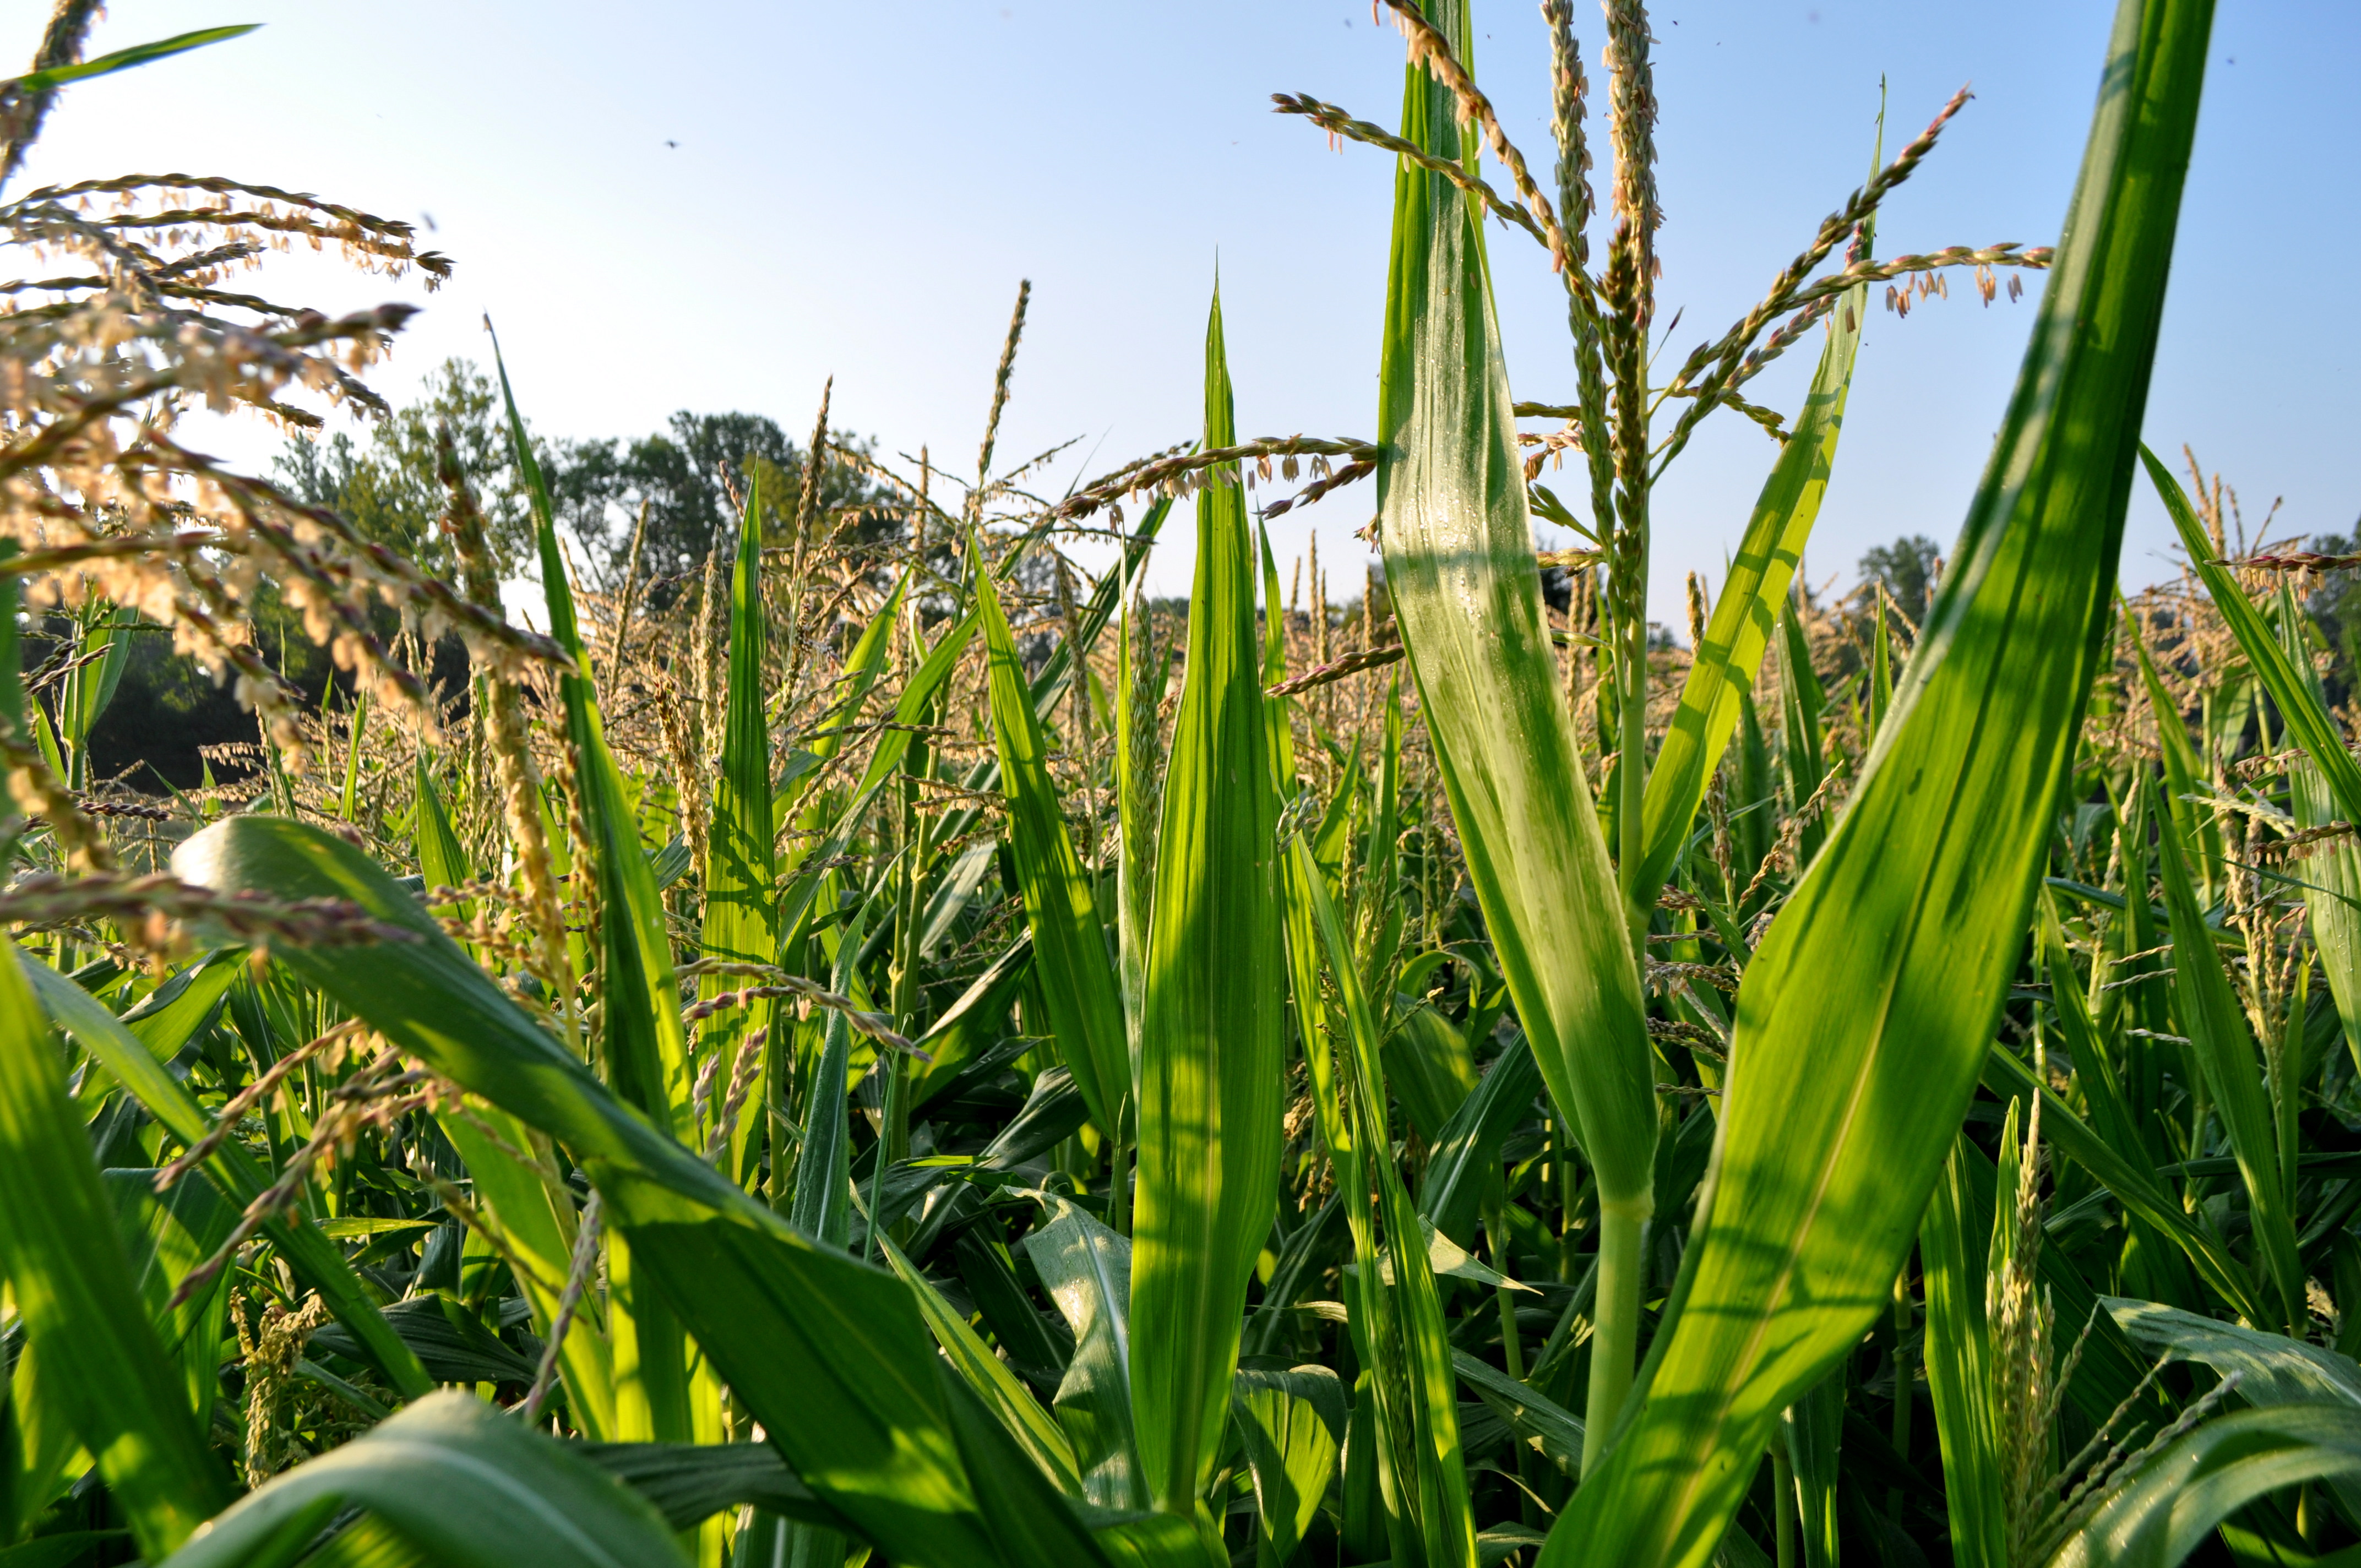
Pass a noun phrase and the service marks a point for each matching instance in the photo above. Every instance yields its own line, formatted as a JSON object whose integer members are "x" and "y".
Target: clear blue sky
{"x": 856, "y": 189}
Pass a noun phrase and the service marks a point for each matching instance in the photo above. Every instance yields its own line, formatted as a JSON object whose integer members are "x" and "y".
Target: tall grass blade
{"x": 2179, "y": 1497}
{"x": 741, "y": 867}
{"x": 1460, "y": 573}
{"x": 1959, "y": 1372}
{"x": 1211, "y": 1054}
{"x": 1866, "y": 1014}
{"x": 2307, "y": 719}
{"x": 1078, "y": 976}
{"x": 139, "y": 1065}
{"x": 1726, "y": 663}
{"x": 830, "y": 1355}
{"x": 658, "y": 1396}
{"x": 74, "y": 1293}
{"x": 1397, "y": 1311}
{"x": 2133, "y": 1184}
{"x": 1086, "y": 1269}
{"x": 456, "y": 1481}
{"x": 2223, "y": 1047}
{"x": 1290, "y": 1424}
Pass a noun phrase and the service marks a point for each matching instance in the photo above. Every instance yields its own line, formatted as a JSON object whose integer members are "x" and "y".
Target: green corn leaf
{"x": 1291, "y": 1423}
{"x": 358, "y": 723}
{"x": 1801, "y": 702}
{"x": 688, "y": 1483}
{"x": 455, "y": 1480}
{"x": 658, "y": 1395}
{"x": 1532, "y": 1416}
{"x": 2307, "y": 719}
{"x": 1812, "y": 1428}
{"x": 2182, "y": 768}
{"x": 1466, "y": 1151}
{"x": 970, "y": 1026}
{"x": 89, "y": 686}
{"x": 988, "y": 1377}
{"x": 1086, "y": 1269}
{"x": 1140, "y": 687}
{"x": 536, "y": 1213}
{"x": 644, "y": 1043}
{"x": 1302, "y": 1259}
{"x": 532, "y": 1202}
{"x": 2223, "y": 1047}
{"x": 831, "y": 1354}
{"x": 1429, "y": 1065}
{"x": 1958, "y": 1357}
{"x": 1211, "y": 1053}
{"x": 1057, "y": 671}
{"x": 2332, "y": 876}
{"x": 139, "y": 1064}
{"x": 885, "y": 761}
{"x": 2111, "y": 1367}
{"x": 989, "y": 1272}
{"x": 861, "y": 668}
{"x": 740, "y": 918}
{"x": 1278, "y": 712}
{"x": 455, "y": 1345}
{"x": 2132, "y": 1184}
{"x": 823, "y": 1198}
{"x": 1881, "y": 672}
{"x": 1754, "y": 586}
{"x": 2111, "y": 1117}
{"x": 1029, "y": 1519}
{"x": 123, "y": 59}
{"x": 1397, "y": 1319}
{"x": 835, "y": 1360}
{"x": 1867, "y": 1012}
{"x": 1750, "y": 824}
{"x": 76, "y": 1296}
{"x": 2272, "y": 1368}
{"x": 1382, "y": 864}
{"x": 1070, "y": 953}
{"x": 1460, "y": 573}
{"x": 2180, "y": 1495}
{"x": 165, "y": 1235}
{"x": 441, "y": 857}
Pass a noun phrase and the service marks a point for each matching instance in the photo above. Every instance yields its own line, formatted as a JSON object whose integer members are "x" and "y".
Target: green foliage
{"x": 1906, "y": 569}
{"x": 902, "y": 1065}
{"x": 388, "y": 489}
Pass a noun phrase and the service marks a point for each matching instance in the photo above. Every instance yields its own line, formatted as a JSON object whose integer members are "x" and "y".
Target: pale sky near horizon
{"x": 717, "y": 204}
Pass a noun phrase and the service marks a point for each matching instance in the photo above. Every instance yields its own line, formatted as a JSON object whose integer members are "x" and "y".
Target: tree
{"x": 685, "y": 476}
{"x": 689, "y": 478}
{"x": 389, "y": 488}
{"x": 1907, "y": 568}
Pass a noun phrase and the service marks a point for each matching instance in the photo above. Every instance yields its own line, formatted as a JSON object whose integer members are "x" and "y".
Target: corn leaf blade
{"x": 1866, "y": 1015}
{"x": 1211, "y": 1053}
{"x": 1739, "y": 632}
{"x": 75, "y": 1293}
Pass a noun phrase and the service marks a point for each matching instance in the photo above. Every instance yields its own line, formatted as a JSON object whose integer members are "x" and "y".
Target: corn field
{"x": 895, "y": 1048}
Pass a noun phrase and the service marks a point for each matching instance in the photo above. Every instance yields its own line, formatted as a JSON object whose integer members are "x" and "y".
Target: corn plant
{"x": 898, "y": 1047}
